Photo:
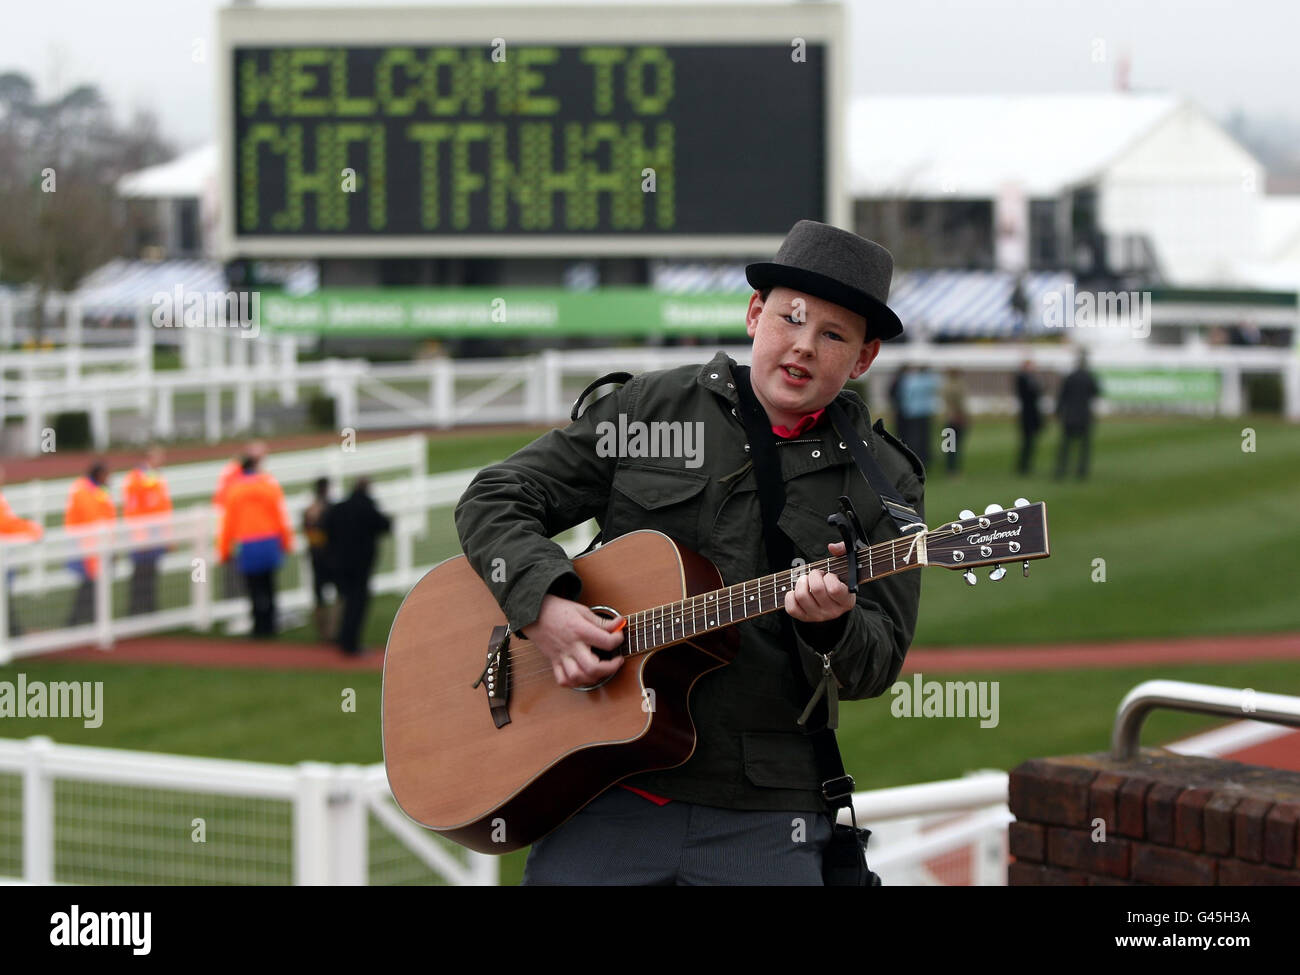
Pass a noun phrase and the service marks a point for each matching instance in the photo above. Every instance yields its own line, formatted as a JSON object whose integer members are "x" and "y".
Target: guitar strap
{"x": 844, "y": 862}
{"x": 837, "y": 785}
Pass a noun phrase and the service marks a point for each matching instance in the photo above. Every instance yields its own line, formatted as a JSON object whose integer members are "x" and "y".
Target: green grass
{"x": 1198, "y": 538}
{"x": 287, "y": 717}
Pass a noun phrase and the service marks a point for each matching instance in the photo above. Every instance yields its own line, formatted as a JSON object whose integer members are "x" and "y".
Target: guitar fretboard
{"x": 670, "y": 623}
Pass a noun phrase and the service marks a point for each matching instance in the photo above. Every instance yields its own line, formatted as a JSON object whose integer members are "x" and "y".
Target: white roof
{"x": 186, "y": 175}
{"x": 1279, "y": 224}
{"x": 970, "y": 146}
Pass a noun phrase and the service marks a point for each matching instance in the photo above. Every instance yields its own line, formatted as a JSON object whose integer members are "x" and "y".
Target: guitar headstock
{"x": 1016, "y": 534}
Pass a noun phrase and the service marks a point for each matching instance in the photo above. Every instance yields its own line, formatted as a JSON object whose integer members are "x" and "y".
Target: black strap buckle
{"x": 838, "y": 788}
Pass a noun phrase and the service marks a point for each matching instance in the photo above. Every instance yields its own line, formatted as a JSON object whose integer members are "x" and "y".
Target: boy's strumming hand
{"x": 565, "y": 633}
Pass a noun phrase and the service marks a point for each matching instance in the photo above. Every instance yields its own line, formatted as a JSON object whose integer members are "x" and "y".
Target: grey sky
{"x": 1222, "y": 54}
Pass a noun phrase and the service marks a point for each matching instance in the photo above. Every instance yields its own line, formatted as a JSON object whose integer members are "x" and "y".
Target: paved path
{"x": 212, "y": 652}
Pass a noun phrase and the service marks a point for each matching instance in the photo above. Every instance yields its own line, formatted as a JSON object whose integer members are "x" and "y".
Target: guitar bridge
{"x": 496, "y": 675}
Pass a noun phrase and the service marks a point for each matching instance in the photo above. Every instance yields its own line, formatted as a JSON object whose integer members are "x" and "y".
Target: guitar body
{"x": 496, "y": 789}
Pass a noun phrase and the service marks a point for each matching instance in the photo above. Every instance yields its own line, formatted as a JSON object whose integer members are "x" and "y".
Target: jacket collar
{"x": 715, "y": 376}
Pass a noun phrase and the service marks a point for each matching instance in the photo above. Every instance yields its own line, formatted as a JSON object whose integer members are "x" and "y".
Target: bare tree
{"x": 59, "y": 162}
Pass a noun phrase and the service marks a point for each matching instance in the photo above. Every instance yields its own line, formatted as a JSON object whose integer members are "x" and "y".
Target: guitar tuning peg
{"x": 966, "y": 513}
{"x": 997, "y": 574}
{"x": 1025, "y": 570}
{"x": 1021, "y": 502}
{"x": 992, "y": 508}
{"x": 969, "y": 576}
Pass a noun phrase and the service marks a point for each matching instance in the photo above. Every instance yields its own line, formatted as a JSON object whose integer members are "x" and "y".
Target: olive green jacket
{"x": 750, "y": 754}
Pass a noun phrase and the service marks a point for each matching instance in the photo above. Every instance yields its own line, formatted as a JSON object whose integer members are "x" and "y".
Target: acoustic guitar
{"x": 483, "y": 746}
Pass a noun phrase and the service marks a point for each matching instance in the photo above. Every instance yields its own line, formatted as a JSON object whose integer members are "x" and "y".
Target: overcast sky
{"x": 1225, "y": 55}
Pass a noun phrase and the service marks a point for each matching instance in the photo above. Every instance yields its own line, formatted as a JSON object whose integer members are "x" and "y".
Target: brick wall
{"x": 1167, "y": 819}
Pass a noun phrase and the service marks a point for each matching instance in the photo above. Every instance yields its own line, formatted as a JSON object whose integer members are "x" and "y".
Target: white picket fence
{"x": 194, "y": 483}
{"x": 73, "y": 814}
{"x": 443, "y": 393}
{"x": 191, "y": 591}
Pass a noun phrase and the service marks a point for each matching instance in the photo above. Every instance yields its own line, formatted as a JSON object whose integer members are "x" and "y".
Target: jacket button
{"x": 746, "y": 448}
{"x": 731, "y": 385}
{"x": 713, "y": 375}
{"x": 842, "y": 445}
{"x": 733, "y": 412}
{"x": 817, "y": 453}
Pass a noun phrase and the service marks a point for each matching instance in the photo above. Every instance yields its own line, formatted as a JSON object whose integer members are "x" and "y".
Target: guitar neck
{"x": 670, "y": 623}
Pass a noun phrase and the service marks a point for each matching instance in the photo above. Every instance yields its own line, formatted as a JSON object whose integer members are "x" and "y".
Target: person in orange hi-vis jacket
{"x": 232, "y": 581}
{"x": 256, "y": 521}
{"x": 89, "y": 504}
{"x": 14, "y": 531}
{"x": 145, "y": 500}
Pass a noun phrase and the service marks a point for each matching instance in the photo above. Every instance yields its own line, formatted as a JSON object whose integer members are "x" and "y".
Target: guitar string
{"x": 699, "y": 613}
{"x": 698, "y": 617}
{"x": 531, "y": 656}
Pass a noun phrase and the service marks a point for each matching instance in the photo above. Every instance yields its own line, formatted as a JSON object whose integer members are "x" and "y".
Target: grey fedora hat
{"x": 837, "y": 266}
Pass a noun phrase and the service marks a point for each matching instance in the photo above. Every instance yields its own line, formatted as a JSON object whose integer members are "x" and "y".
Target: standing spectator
{"x": 313, "y": 518}
{"x": 256, "y": 520}
{"x": 953, "y": 395}
{"x": 918, "y": 394}
{"x": 89, "y": 504}
{"x": 14, "y": 530}
{"x": 1074, "y": 407}
{"x": 1028, "y": 392}
{"x": 146, "y": 500}
{"x": 895, "y": 397}
{"x": 352, "y": 530}
{"x": 232, "y": 581}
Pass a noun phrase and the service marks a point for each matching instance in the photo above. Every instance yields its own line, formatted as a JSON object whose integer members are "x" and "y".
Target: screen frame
{"x": 665, "y": 24}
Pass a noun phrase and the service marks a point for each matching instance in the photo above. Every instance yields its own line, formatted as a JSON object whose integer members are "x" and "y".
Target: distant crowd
{"x": 918, "y": 396}
{"x": 253, "y": 537}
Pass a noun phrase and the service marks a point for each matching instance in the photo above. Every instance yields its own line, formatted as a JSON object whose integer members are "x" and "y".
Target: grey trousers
{"x": 622, "y": 838}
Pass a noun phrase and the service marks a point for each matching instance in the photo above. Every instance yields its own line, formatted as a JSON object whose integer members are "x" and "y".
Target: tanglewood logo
{"x": 993, "y": 536}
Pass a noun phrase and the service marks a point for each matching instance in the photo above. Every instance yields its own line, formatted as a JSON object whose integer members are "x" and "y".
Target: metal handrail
{"x": 1199, "y": 699}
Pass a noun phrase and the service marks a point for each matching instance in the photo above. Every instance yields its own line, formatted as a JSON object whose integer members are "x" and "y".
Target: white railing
{"x": 192, "y": 589}
{"x": 100, "y": 815}
{"x": 938, "y": 833}
{"x": 321, "y": 822}
{"x": 538, "y": 389}
{"x": 296, "y": 470}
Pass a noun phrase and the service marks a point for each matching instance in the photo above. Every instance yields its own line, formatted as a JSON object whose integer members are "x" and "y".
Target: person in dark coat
{"x": 312, "y": 517}
{"x": 1074, "y": 408}
{"x": 352, "y": 529}
{"x": 1028, "y": 390}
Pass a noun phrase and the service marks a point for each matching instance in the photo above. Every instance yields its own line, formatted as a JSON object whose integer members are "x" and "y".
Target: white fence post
{"x": 212, "y": 413}
{"x": 349, "y": 828}
{"x": 38, "y": 813}
{"x": 442, "y": 388}
{"x": 6, "y": 320}
{"x": 5, "y": 655}
{"x": 311, "y": 845}
{"x": 1291, "y": 389}
{"x": 288, "y": 367}
{"x": 201, "y": 588}
{"x": 104, "y": 586}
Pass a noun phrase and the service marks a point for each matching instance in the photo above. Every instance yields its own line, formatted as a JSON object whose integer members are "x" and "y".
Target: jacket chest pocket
{"x": 664, "y": 499}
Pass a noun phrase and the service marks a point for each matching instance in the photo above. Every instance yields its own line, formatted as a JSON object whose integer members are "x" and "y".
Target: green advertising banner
{"x": 1160, "y": 385}
{"x": 505, "y": 312}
